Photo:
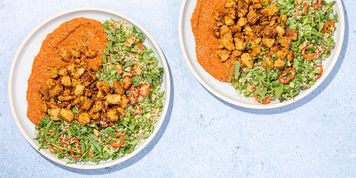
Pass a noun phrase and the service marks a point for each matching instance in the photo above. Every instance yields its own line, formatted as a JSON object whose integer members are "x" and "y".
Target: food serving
{"x": 95, "y": 90}
{"x": 269, "y": 50}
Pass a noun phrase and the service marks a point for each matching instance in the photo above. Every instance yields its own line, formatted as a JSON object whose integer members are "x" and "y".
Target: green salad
{"x": 128, "y": 62}
{"x": 314, "y": 21}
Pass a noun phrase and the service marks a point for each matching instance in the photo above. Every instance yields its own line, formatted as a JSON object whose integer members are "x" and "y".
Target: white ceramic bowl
{"x": 21, "y": 70}
{"x": 224, "y": 90}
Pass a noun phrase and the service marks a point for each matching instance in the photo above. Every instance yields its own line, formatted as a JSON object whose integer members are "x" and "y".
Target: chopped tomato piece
{"x": 144, "y": 90}
{"x": 134, "y": 94}
{"x": 305, "y": 7}
{"x": 140, "y": 46}
{"x": 267, "y": 100}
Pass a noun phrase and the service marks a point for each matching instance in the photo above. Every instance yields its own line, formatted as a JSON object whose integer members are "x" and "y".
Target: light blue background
{"x": 204, "y": 137}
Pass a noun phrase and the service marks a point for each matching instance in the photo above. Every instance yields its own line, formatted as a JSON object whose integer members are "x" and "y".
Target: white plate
{"x": 224, "y": 90}
{"x": 21, "y": 70}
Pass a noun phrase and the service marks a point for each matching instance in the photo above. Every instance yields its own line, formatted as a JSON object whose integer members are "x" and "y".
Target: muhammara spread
{"x": 203, "y": 24}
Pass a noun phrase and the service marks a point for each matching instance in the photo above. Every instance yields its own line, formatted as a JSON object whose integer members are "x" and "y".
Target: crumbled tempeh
{"x": 247, "y": 60}
{"x": 54, "y": 114}
{"x": 53, "y": 72}
{"x": 86, "y": 103}
{"x": 65, "y": 55}
{"x": 66, "y": 115}
{"x": 112, "y": 114}
{"x": 249, "y": 29}
{"x": 66, "y": 81}
{"x": 98, "y": 106}
{"x": 113, "y": 99}
{"x": 126, "y": 82}
{"x": 75, "y": 85}
{"x": 122, "y": 111}
{"x": 84, "y": 118}
{"x": 79, "y": 89}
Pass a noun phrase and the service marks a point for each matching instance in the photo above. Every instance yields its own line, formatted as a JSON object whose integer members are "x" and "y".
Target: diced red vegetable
{"x": 140, "y": 46}
{"x": 267, "y": 100}
{"x": 134, "y": 94}
{"x": 329, "y": 27}
{"x": 313, "y": 56}
{"x": 282, "y": 77}
{"x": 121, "y": 143}
{"x": 74, "y": 139}
{"x": 144, "y": 89}
{"x": 305, "y": 7}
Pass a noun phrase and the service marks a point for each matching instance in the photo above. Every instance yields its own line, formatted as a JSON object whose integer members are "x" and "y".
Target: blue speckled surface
{"x": 204, "y": 137}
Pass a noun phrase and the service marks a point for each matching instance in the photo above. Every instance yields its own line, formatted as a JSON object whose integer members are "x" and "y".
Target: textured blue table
{"x": 204, "y": 137}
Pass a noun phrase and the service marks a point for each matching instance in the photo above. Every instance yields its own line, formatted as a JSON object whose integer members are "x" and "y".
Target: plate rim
{"x": 297, "y": 98}
{"x": 159, "y": 122}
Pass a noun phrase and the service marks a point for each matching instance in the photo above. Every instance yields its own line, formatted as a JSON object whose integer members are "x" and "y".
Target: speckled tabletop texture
{"x": 203, "y": 137}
